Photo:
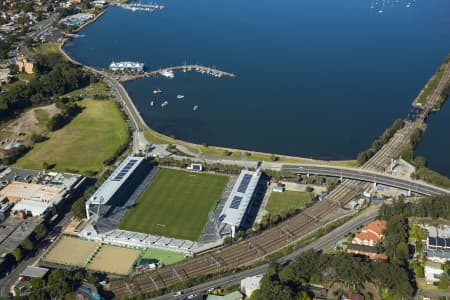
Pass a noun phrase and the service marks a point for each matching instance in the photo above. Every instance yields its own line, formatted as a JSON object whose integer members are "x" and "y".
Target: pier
{"x": 167, "y": 71}
{"x": 142, "y": 7}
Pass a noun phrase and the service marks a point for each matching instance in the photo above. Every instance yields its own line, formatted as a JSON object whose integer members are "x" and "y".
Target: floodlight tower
{"x": 244, "y": 159}
{"x": 213, "y": 219}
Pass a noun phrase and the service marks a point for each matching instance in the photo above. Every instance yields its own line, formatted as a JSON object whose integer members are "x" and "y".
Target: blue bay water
{"x": 314, "y": 78}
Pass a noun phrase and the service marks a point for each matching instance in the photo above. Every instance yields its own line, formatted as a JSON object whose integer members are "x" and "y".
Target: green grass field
{"x": 166, "y": 257}
{"x": 176, "y": 204}
{"x": 82, "y": 145}
{"x": 288, "y": 200}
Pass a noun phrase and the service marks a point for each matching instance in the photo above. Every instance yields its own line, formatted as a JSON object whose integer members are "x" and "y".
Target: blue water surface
{"x": 315, "y": 78}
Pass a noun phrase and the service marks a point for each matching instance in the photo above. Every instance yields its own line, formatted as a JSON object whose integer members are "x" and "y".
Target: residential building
{"x": 351, "y": 296}
{"x": 4, "y": 76}
{"x": 433, "y": 271}
{"x": 437, "y": 243}
{"x": 364, "y": 243}
{"x": 250, "y": 284}
{"x": 369, "y": 251}
{"x": 371, "y": 234}
{"x": 25, "y": 65}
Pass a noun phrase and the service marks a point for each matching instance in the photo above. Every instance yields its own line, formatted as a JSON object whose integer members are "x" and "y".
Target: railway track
{"x": 275, "y": 238}
{"x": 267, "y": 242}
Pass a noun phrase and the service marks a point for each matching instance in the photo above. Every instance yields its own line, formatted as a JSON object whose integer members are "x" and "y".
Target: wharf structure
{"x": 141, "y": 7}
{"x": 168, "y": 72}
{"x": 126, "y": 65}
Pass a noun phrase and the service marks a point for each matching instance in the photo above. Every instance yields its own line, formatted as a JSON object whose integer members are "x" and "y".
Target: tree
{"x": 303, "y": 296}
{"x": 443, "y": 281}
{"x": 78, "y": 209}
{"x": 27, "y": 244}
{"x": 17, "y": 253}
{"x": 40, "y": 231}
{"x": 45, "y": 165}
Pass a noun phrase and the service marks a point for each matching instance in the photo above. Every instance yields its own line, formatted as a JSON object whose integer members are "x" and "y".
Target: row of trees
{"x": 67, "y": 112}
{"x": 419, "y": 162}
{"x": 314, "y": 267}
{"x": 432, "y": 207}
{"x": 380, "y": 142}
{"x": 61, "y": 284}
{"x": 28, "y": 245}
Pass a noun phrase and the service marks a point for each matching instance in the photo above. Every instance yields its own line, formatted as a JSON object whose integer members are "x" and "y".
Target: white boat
{"x": 157, "y": 91}
{"x": 152, "y": 103}
{"x": 179, "y": 97}
{"x": 167, "y": 73}
{"x": 195, "y": 107}
{"x": 164, "y": 104}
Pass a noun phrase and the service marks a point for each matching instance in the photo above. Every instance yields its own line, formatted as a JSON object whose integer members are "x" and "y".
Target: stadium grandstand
{"x": 237, "y": 205}
{"x": 102, "y": 199}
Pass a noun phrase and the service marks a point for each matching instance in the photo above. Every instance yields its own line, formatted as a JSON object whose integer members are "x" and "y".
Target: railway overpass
{"x": 411, "y": 185}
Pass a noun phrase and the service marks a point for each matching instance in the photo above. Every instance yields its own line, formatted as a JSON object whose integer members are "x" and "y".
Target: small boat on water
{"x": 157, "y": 91}
{"x": 167, "y": 73}
{"x": 164, "y": 104}
{"x": 179, "y": 97}
{"x": 195, "y": 107}
{"x": 152, "y": 103}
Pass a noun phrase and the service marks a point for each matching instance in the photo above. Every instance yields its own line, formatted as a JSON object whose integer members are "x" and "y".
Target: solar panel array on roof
{"x": 236, "y": 202}
{"x": 125, "y": 170}
{"x": 244, "y": 183}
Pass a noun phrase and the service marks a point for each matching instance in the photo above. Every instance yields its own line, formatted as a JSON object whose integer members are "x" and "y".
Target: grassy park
{"x": 176, "y": 204}
{"x": 82, "y": 145}
{"x": 286, "y": 201}
{"x": 166, "y": 257}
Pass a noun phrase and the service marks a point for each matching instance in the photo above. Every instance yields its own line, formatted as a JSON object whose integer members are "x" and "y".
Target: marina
{"x": 169, "y": 72}
{"x": 141, "y": 7}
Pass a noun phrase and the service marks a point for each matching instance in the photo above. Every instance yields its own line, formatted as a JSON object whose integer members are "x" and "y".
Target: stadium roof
{"x": 105, "y": 192}
{"x": 240, "y": 197}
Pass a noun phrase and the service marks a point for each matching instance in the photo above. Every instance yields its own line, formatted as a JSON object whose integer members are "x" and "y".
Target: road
{"x": 325, "y": 241}
{"x": 416, "y": 186}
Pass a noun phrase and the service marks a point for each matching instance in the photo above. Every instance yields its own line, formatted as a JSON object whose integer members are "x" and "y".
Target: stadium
{"x": 143, "y": 207}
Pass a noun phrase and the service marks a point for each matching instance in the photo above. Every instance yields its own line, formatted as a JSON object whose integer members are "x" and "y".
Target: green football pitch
{"x": 176, "y": 204}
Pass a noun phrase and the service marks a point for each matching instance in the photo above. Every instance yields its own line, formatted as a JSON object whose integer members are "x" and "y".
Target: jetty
{"x": 167, "y": 71}
{"x": 141, "y": 7}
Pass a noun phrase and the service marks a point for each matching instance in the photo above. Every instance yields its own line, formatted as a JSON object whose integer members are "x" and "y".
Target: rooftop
{"x": 240, "y": 197}
{"x": 111, "y": 185}
{"x": 377, "y": 226}
{"x": 34, "y": 272}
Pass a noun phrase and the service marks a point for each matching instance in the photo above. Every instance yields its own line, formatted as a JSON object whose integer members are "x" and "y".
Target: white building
{"x": 433, "y": 271}
{"x": 239, "y": 200}
{"x": 111, "y": 185}
{"x": 250, "y": 284}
